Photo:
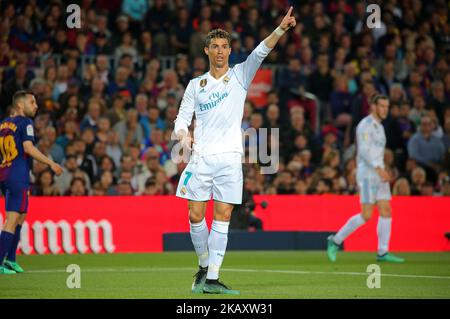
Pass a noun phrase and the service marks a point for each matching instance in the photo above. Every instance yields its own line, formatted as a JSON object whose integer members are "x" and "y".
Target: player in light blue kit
{"x": 373, "y": 182}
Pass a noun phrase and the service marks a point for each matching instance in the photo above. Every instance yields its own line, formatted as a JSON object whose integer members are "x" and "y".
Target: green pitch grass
{"x": 269, "y": 274}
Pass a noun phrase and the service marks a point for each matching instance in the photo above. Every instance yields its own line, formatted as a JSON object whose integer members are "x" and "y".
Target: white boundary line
{"x": 273, "y": 271}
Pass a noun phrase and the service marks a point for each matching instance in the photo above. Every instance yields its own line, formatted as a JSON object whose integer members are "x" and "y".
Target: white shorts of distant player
{"x": 218, "y": 174}
{"x": 372, "y": 189}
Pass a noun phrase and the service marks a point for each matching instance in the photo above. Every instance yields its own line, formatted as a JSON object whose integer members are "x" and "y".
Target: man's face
{"x": 426, "y": 125}
{"x": 30, "y": 106}
{"x": 218, "y": 52}
{"x": 382, "y": 108}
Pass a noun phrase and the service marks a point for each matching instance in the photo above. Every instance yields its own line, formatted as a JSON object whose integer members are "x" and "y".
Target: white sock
{"x": 199, "y": 236}
{"x": 350, "y": 226}
{"x": 217, "y": 244}
{"x": 384, "y": 234}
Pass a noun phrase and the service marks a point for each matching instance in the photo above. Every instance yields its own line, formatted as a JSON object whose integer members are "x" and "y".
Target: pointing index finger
{"x": 288, "y": 14}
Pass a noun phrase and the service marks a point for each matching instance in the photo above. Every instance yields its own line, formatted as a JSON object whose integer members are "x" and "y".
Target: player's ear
{"x": 206, "y": 50}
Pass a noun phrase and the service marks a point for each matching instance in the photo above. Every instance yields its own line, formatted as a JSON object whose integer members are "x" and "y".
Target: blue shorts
{"x": 16, "y": 196}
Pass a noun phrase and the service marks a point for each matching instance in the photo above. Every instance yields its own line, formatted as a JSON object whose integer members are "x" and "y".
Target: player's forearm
{"x": 365, "y": 153}
{"x": 37, "y": 155}
{"x": 273, "y": 38}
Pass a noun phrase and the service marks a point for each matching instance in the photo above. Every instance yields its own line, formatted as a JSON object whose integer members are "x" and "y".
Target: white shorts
{"x": 372, "y": 190}
{"x": 219, "y": 175}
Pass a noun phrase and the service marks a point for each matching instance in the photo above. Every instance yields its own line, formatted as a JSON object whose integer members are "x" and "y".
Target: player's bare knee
{"x": 366, "y": 214}
{"x": 224, "y": 216}
{"x": 222, "y": 211}
{"x": 12, "y": 219}
{"x": 195, "y": 216}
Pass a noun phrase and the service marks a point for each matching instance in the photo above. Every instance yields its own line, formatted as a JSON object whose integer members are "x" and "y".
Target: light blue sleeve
{"x": 245, "y": 71}
{"x": 186, "y": 111}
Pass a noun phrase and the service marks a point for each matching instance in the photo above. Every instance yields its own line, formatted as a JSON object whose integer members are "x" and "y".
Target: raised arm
{"x": 246, "y": 70}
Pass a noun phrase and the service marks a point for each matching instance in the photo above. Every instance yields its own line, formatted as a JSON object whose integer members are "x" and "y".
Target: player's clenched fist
{"x": 185, "y": 139}
{"x": 56, "y": 168}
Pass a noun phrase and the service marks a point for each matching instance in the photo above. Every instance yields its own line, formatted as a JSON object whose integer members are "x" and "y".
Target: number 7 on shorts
{"x": 188, "y": 176}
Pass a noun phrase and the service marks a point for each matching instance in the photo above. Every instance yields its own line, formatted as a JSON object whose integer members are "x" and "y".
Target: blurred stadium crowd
{"x": 109, "y": 120}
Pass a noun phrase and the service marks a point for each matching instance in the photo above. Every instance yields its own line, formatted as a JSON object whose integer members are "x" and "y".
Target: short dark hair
{"x": 378, "y": 97}
{"x": 217, "y": 34}
{"x": 20, "y": 95}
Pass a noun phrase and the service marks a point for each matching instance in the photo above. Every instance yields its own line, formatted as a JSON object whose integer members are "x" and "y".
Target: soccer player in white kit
{"x": 215, "y": 167}
{"x": 373, "y": 182}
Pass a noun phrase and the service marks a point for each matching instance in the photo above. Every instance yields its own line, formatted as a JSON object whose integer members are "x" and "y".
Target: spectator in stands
{"x": 93, "y": 115}
{"x": 56, "y": 151}
{"x": 107, "y": 182}
{"x": 19, "y": 81}
{"x": 272, "y": 116}
{"x": 401, "y": 187}
{"x": 291, "y": 77}
{"x": 340, "y": 104}
{"x": 320, "y": 81}
{"x": 129, "y": 130}
{"x": 70, "y": 166}
{"x": 45, "y": 185}
{"x": 61, "y": 82}
{"x": 122, "y": 85}
{"x": 181, "y": 32}
{"x": 126, "y": 47}
{"x": 418, "y": 179}
{"x": 125, "y": 189}
{"x": 135, "y": 10}
{"x": 438, "y": 100}
{"x": 426, "y": 149}
{"x": 101, "y": 44}
{"x": 77, "y": 188}
{"x": 150, "y": 187}
{"x": 117, "y": 112}
{"x": 446, "y": 136}
{"x": 427, "y": 189}
{"x": 285, "y": 183}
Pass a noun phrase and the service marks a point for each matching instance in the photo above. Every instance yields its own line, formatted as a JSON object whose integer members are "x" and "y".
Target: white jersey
{"x": 219, "y": 105}
{"x": 371, "y": 141}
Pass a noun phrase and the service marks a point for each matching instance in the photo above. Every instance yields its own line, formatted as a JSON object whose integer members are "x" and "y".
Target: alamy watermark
{"x": 261, "y": 146}
{"x": 74, "y": 18}
{"x": 74, "y": 279}
{"x": 374, "y": 278}
{"x": 374, "y": 19}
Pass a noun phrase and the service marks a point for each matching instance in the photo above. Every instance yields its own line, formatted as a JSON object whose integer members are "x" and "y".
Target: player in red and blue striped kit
{"x": 16, "y": 152}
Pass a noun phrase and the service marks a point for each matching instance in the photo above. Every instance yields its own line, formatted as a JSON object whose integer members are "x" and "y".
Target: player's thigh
{"x": 197, "y": 211}
{"x": 367, "y": 190}
{"x": 12, "y": 219}
{"x": 228, "y": 183}
{"x": 384, "y": 208}
{"x": 16, "y": 197}
{"x": 367, "y": 196}
{"x": 222, "y": 211}
{"x": 196, "y": 182}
